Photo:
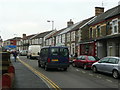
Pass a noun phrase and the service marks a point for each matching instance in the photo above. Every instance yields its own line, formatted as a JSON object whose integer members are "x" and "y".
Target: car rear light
{"x": 69, "y": 59}
{"x": 48, "y": 60}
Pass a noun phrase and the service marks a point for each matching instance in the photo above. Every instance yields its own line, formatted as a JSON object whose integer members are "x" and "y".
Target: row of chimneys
{"x": 98, "y": 11}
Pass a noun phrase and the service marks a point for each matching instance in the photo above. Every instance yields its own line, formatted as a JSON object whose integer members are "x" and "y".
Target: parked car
{"x": 54, "y": 57}
{"x": 33, "y": 51}
{"x": 109, "y": 65}
{"x": 84, "y": 61}
{"x": 23, "y": 52}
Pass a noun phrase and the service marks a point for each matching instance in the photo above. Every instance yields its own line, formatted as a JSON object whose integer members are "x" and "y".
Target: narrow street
{"x": 74, "y": 77}
{"x": 67, "y": 35}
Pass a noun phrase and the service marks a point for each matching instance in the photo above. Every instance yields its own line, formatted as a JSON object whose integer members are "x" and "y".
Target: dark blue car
{"x": 54, "y": 57}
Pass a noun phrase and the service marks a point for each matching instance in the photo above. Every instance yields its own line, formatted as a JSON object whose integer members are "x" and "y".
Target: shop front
{"x": 87, "y": 48}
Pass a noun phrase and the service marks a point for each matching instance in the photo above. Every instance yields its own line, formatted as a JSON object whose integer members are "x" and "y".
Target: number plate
{"x": 54, "y": 59}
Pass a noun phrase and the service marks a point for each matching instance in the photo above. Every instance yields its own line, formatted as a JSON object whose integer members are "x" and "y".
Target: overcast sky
{"x": 30, "y": 16}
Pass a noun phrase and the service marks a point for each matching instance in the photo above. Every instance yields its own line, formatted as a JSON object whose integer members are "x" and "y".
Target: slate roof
{"x": 75, "y": 26}
{"x": 41, "y": 35}
{"x": 109, "y": 13}
{"x": 69, "y": 28}
{"x": 14, "y": 38}
{"x": 56, "y": 33}
{"x": 29, "y": 36}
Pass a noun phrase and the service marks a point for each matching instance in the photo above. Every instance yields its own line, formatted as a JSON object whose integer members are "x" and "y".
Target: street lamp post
{"x": 52, "y": 23}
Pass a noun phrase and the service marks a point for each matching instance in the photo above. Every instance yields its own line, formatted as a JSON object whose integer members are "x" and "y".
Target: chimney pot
{"x": 24, "y": 36}
{"x": 99, "y": 10}
{"x": 69, "y": 23}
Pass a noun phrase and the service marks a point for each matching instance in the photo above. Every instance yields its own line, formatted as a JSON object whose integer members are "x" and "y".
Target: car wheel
{"x": 94, "y": 69}
{"x": 42, "y": 66}
{"x": 65, "y": 69}
{"x": 115, "y": 74}
{"x": 85, "y": 67}
{"x": 73, "y": 64}
{"x": 39, "y": 65}
{"x": 46, "y": 68}
{"x": 27, "y": 56}
{"x": 30, "y": 57}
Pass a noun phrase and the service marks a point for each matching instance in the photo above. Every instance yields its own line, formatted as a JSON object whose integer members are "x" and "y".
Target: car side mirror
{"x": 99, "y": 62}
{"x": 38, "y": 53}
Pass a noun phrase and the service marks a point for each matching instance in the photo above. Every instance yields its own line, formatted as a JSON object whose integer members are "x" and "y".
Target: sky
{"x": 28, "y": 17}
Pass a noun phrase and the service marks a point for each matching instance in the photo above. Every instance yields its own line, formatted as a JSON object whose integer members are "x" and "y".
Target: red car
{"x": 84, "y": 61}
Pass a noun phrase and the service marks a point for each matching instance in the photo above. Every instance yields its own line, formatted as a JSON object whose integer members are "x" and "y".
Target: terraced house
{"x": 74, "y": 36}
{"x": 103, "y": 38}
{"x": 40, "y": 38}
{"x": 11, "y": 43}
{"x": 25, "y": 42}
{"x": 53, "y": 40}
{"x": 71, "y": 35}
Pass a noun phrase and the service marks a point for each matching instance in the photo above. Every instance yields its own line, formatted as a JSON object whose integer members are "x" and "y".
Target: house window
{"x": 98, "y": 31}
{"x": 107, "y": 28}
{"x": 68, "y": 48}
{"x": 90, "y": 33}
{"x": 53, "y": 41}
{"x": 68, "y": 37}
{"x": 57, "y": 39}
{"x": 115, "y": 26}
{"x": 40, "y": 40}
{"x": 79, "y": 35}
{"x": 73, "y": 36}
{"x": 63, "y": 38}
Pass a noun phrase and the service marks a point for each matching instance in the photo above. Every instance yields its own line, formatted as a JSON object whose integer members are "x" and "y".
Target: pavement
{"x": 24, "y": 78}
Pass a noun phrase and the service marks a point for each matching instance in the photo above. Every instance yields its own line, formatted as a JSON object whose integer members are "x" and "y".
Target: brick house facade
{"x": 104, "y": 34}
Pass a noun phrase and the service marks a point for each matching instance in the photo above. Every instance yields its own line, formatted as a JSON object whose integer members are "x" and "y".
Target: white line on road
{"x": 108, "y": 80}
{"x": 77, "y": 70}
{"x": 98, "y": 77}
{"x": 83, "y": 72}
{"x": 90, "y": 74}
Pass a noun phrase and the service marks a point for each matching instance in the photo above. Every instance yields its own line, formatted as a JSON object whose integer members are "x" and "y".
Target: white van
{"x": 33, "y": 51}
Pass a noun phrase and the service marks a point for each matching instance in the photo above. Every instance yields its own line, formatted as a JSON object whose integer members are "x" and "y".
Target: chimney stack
{"x": 99, "y": 10}
{"x": 69, "y": 23}
{"x": 24, "y": 36}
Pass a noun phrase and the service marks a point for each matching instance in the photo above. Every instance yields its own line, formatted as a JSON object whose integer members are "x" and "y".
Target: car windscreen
{"x": 64, "y": 52}
{"x": 54, "y": 51}
{"x": 91, "y": 58}
{"x": 60, "y": 52}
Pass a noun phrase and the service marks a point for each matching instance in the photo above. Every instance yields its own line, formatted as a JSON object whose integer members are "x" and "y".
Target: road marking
{"x": 41, "y": 75}
{"x": 77, "y": 70}
{"x": 90, "y": 74}
{"x": 98, "y": 77}
{"x": 108, "y": 80}
{"x": 83, "y": 72}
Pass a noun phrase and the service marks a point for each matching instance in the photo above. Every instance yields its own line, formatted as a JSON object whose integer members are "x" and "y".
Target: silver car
{"x": 109, "y": 65}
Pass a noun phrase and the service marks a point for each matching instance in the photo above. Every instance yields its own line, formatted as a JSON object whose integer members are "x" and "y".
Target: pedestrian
{"x": 15, "y": 54}
{"x": 75, "y": 55}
